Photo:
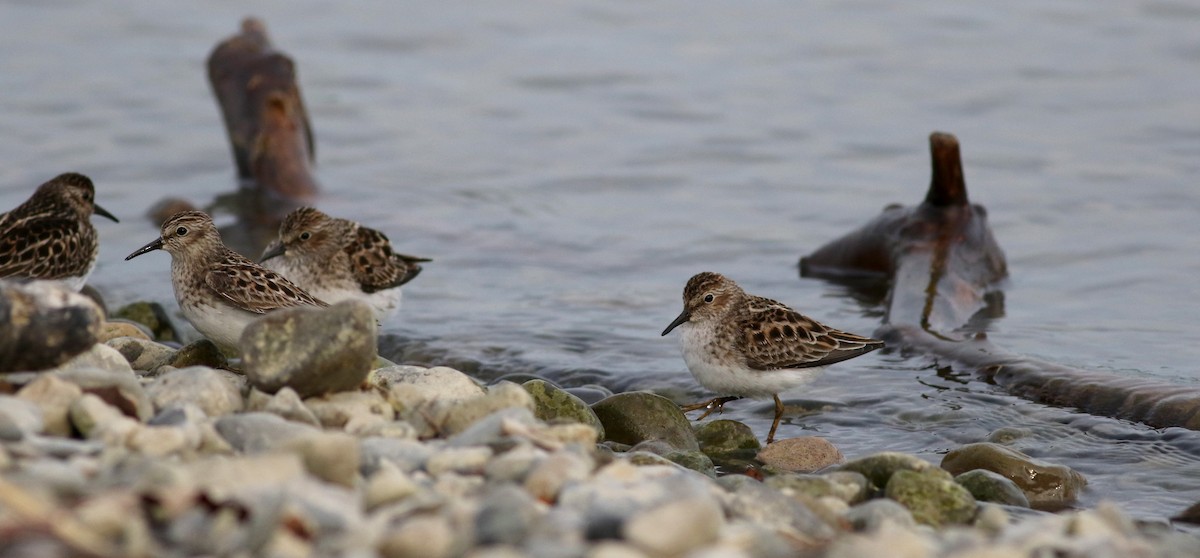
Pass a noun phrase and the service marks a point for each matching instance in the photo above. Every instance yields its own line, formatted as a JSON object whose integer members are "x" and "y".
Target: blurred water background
{"x": 569, "y": 165}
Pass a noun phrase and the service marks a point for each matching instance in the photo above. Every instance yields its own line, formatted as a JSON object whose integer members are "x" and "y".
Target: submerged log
{"x": 943, "y": 267}
{"x": 940, "y": 255}
{"x": 264, "y": 115}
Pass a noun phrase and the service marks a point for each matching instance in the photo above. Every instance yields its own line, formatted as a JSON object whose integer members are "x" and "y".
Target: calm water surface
{"x": 570, "y": 165}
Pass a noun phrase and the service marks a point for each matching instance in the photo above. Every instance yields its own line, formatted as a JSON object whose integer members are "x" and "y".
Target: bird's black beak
{"x": 103, "y": 212}
{"x": 683, "y": 317}
{"x": 273, "y": 250}
{"x": 155, "y": 244}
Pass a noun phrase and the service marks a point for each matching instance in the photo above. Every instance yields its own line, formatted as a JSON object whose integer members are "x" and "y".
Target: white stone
{"x": 675, "y": 527}
{"x": 54, "y": 397}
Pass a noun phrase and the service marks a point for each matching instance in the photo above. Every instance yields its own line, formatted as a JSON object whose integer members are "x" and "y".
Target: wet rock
{"x": 313, "y": 351}
{"x": 43, "y": 325}
{"x": 694, "y": 460}
{"x": 878, "y": 468}
{"x": 506, "y": 516}
{"x": 197, "y": 353}
{"x": 330, "y": 456}
{"x": 1047, "y": 486}
{"x": 1008, "y": 435}
{"x": 152, "y": 316}
{"x": 122, "y": 390}
{"x": 54, "y": 397}
{"x": 18, "y": 418}
{"x": 452, "y": 417}
{"x": 800, "y": 455}
{"x": 215, "y": 392}
{"x": 553, "y": 404}
{"x": 748, "y": 499}
{"x": 411, "y": 387}
{"x": 675, "y": 528}
{"x": 870, "y": 515}
{"x": 142, "y": 355}
{"x": 933, "y": 499}
{"x": 845, "y": 486}
{"x": 724, "y": 437}
{"x": 97, "y": 357}
{"x": 987, "y": 486}
{"x": 636, "y": 416}
{"x": 352, "y": 411}
{"x": 285, "y": 403}
{"x": 115, "y": 329}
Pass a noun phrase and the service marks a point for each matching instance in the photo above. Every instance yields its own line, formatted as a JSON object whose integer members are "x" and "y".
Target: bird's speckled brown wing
{"x": 774, "y": 336}
{"x": 376, "y": 266}
{"x": 44, "y": 248}
{"x": 255, "y": 289}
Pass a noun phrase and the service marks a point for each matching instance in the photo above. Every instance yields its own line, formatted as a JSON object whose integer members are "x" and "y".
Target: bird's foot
{"x": 716, "y": 404}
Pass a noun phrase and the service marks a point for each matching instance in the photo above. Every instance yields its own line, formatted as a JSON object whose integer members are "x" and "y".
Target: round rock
{"x": 987, "y": 486}
{"x": 152, "y": 316}
{"x": 43, "y": 325}
{"x": 933, "y": 499}
{"x": 800, "y": 455}
{"x": 1047, "y": 486}
{"x": 313, "y": 351}
{"x": 637, "y": 416}
{"x": 553, "y": 404}
{"x": 723, "y": 437}
{"x": 213, "y": 391}
{"x": 879, "y": 467}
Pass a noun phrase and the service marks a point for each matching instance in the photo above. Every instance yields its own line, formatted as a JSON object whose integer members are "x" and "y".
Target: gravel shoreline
{"x": 138, "y": 448}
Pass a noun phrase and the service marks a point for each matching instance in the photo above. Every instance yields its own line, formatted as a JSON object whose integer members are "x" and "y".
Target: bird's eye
{"x": 305, "y": 235}
{"x": 181, "y": 231}
{"x": 708, "y": 297}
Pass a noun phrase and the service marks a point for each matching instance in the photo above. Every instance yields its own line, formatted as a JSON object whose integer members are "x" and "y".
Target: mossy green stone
{"x": 1048, "y": 486}
{"x": 637, "y": 416}
{"x": 695, "y": 461}
{"x": 724, "y": 437}
{"x": 552, "y": 404}
{"x": 151, "y": 315}
{"x": 199, "y": 353}
{"x": 987, "y": 486}
{"x": 932, "y": 498}
{"x": 880, "y": 467}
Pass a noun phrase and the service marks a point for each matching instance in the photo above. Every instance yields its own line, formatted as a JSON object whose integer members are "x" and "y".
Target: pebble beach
{"x": 311, "y": 445}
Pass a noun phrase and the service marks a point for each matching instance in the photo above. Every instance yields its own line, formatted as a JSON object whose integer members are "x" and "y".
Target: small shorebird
{"x": 749, "y": 346}
{"x": 219, "y": 290}
{"x": 338, "y": 259}
{"x": 51, "y": 236}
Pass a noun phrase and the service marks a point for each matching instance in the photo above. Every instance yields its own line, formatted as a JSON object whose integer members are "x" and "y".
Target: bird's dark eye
{"x": 305, "y": 235}
{"x": 708, "y": 297}
{"x": 181, "y": 231}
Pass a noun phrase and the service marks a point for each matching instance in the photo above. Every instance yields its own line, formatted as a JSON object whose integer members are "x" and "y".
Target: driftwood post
{"x": 264, "y": 115}
{"x": 943, "y": 266}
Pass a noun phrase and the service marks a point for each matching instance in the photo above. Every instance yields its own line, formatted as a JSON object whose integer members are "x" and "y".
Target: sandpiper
{"x": 743, "y": 345}
{"x": 51, "y": 236}
{"x": 219, "y": 290}
{"x": 338, "y": 259}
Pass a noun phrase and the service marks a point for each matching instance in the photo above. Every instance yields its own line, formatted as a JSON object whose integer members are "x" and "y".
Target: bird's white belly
{"x": 384, "y": 303}
{"x": 724, "y": 371}
{"x": 222, "y": 325}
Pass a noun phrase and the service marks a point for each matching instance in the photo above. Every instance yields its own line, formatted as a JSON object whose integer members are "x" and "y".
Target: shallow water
{"x": 570, "y": 165}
